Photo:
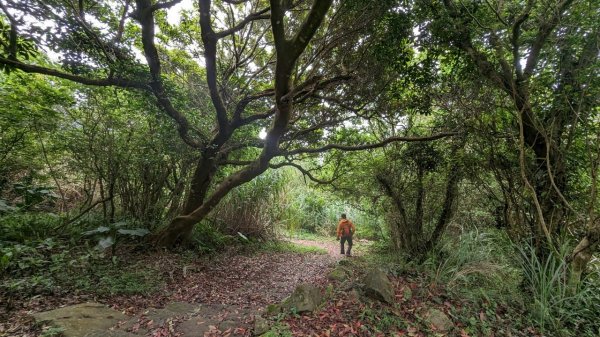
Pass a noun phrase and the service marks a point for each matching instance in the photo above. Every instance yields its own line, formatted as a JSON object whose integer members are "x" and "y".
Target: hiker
{"x": 345, "y": 230}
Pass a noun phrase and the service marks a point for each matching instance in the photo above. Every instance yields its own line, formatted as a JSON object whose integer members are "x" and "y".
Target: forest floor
{"x": 223, "y": 294}
{"x": 231, "y": 281}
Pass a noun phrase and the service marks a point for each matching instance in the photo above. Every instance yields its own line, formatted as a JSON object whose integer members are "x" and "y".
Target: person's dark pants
{"x": 342, "y": 241}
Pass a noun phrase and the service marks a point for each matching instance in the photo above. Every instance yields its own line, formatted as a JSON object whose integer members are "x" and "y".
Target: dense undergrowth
{"x": 37, "y": 257}
{"x": 488, "y": 283}
{"x": 496, "y": 279}
{"x": 492, "y": 284}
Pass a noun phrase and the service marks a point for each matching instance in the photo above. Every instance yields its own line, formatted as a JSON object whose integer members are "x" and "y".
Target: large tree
{"x": 542, "y": 57}
{"x": 289, "y": 68}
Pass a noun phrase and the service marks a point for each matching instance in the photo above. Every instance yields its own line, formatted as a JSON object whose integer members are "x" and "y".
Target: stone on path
{"x": 83, "y": 320}
{"x": 378, "y": 286}
{"x": 305, "y": 298}
{"x": 338, "y": 274}
{"x": 153, "y": 318}
{"x": 438, "y": 319}
{"x": 215, "y": 318}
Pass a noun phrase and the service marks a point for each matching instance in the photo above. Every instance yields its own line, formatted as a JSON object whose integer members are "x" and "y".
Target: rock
{"x": 261, "y": 325}
{"x": 197, "y": 326}
{"x": 438, "y": 320}
{"x": 305, "y": 298}
{"x": 338, "y": 274}
{"x": 83, "y": 319}
{"x": 159, "y": 317}
{"x": 182, "y": 308}
{"x": 210, "y": 318}
{"x": 378, "y": 286}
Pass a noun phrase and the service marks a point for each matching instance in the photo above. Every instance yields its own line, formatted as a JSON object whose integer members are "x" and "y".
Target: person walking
{"x": 345, "y": 231}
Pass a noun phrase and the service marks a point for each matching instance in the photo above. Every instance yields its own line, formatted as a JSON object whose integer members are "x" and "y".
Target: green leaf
{"x": 6, "y": 208}
{"x": 119, "y": 224}
{"x": 99, "y": 230}
{"x": 105, "y": 242}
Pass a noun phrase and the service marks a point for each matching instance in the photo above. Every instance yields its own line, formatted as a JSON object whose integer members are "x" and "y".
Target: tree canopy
{"x": 159, "y": 111}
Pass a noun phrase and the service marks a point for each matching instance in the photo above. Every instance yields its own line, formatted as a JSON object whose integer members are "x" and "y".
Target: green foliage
{"x": 476, "y": 262}
{"x": 52, "y": 331}
{"x": 289, "y": 247}
{"x": 556, "y": 307}
{"x": 306, "y": 209}
{"x": 28, "y": 227}
{"x": 380, "y": 321}
{"x": 108, "y": 236}
{"x": 42, "y": 266}
{"x": 278, "y": 330}
{"x": 32, "y": 195}
{"x": 133, "y": 280}
{"x": 207, "y": 239}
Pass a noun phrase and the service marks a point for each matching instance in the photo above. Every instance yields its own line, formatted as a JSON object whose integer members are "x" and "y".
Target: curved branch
{"x": 145, "y": 17}
{"x": 260, "y": 15}
{"x": 209, "y": 38}
{"x": 105, "y": 82}
{"x": 540, "y": 39}
{"x": 366, "y": 146}
{"x": 304, "y": 172}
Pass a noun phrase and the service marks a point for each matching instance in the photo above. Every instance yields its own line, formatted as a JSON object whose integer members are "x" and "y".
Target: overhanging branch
{"x": 260, "y": 15}
{"x": 366, "y": 146}
{"x": 105, "y": 82}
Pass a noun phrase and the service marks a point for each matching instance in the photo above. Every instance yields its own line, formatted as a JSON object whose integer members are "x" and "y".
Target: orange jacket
{"x": 345, "y": 228}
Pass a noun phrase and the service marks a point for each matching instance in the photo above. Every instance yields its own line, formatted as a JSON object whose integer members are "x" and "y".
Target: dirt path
{"x": 227, "y": 291}
{"x": 255, "y": 280}
{"x": 333, "y": 247}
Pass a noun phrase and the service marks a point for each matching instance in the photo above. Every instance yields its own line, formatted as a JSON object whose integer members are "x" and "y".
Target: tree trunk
{"x": 447, "y": 210}
{"x": 417, "y": 228}
{"x": 582, "y": 255}
{"x": 402, "y": 229}
{"x": 201, "y": 180}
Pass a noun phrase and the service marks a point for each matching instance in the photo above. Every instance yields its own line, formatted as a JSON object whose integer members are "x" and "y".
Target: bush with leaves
{"x": 108, "y": 236}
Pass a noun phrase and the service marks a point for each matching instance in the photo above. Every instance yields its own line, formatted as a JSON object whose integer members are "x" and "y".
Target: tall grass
{"x": 555, "y": 307}
{"x": 486, "y": 263}
{"x": 474, "y": 262}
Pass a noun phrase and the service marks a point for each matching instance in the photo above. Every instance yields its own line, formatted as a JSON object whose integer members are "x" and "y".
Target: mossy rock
{"x": 81, "y": 319}
{"x": 338, "y": 274}
{"x": 273, "y": 309}
{"x": 345, "y": 263}
{"x": 305, "y": 298}
{"x": 438, "y": 320}
{"x": 378, "y": 286}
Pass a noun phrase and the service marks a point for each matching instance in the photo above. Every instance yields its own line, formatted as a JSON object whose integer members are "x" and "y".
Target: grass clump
{"x": 556, "y": 307}
{"x": 290, "y": 247}
{"x": 476, "y": 263}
